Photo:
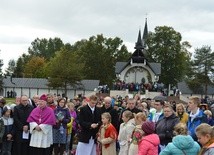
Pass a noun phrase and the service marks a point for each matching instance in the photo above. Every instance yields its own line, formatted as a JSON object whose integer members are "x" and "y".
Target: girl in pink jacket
{"x": 150, "y": 141}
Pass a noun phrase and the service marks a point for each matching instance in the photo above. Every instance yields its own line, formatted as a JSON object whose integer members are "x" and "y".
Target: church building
{"x": 138, "y": 69}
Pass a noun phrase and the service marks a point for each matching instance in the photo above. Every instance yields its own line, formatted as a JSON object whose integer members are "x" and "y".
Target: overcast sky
{"x": 22, "y": 21}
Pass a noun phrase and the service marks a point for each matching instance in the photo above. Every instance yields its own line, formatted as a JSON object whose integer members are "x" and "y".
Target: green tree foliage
{"x": 45, "y": 47}
{"x": 11, "y": 67}
{"x": 1, "y": 75}
{"x": 165, "y": 47}
{"x": 20, "y": 64}
{"x": 100, "y": 54}
{"x": 64, "y": 69}
{"x": 203, "y": 68}
{"x": 34, "y": 68}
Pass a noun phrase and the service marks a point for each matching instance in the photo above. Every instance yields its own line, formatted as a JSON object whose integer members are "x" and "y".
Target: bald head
{"x": 107, "y": 101}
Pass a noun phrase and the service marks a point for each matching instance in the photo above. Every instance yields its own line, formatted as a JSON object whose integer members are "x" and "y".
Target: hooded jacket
{"x": 181, "y": 144}
{"x": 192, "y": 125}
{"x": 149, "y": 145}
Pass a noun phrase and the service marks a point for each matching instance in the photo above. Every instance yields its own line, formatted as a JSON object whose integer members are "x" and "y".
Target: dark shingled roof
{"x": 120, "y": 66}
{"x": 156, "y": 67}
{"x": 183, "y": 87}
{"x": 42, "y": 83}
{"x": 90, "y": 84}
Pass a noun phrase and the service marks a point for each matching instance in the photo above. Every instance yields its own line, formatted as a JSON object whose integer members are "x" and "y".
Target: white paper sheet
{"x": 25, "y": 135}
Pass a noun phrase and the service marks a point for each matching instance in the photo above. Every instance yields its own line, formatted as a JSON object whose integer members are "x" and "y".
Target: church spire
{"x": 145, "y": 32}
{"x": 145, "y": 35}
{"x": 139, "y": 43}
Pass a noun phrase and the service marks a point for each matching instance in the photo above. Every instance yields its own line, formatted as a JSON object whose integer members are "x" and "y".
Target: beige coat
{"x": 111, "y": 149}
{"x": 124, "y": 136}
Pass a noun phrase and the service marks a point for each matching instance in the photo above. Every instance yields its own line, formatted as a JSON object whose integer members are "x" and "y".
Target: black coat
{"x": 86, "y": 118}
{"x": 20, "y": 116}
{"x": 165, "y": 127}
{"x": 114, "y": 116}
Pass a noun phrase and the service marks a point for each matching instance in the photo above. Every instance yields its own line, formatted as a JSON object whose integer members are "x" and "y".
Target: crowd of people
{"x": 51, "y": 125}
{"x": 132, "y": 86}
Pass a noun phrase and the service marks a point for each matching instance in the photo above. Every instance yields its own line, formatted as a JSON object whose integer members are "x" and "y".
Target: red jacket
{"x": 149, "y": 145}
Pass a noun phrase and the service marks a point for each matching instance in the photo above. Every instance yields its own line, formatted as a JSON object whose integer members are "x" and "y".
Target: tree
{"x": 1, "y": 75}
{"x": 165, "y": 47}
{"x": 100, "y": 54}
{"x": 203, "y": 66}
{"x": 45, "y": 48}
{"x": 19, "y": 69}
{"x": 64, "y": 70}
{"x": 34, "y": 68}
{"x": 11, "y": 67}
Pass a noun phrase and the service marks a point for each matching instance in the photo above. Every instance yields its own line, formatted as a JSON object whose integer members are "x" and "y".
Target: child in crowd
{"x": 137, "y": 134}
{"x": 69, "y": 131}
{"x": 107, "y": 136}
{"x": 182, "y": 143}
{"x": 149, "y": 143}
{"x": 8, "y": 131}
{"x": 205, "y": 135}
{"x": 72, "y": 126}
{"x": 125, "y": 131}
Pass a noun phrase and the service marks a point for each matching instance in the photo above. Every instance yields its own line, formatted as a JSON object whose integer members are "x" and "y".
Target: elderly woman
{"x": 41, "y": 121}
{"x": 165, "y": 126}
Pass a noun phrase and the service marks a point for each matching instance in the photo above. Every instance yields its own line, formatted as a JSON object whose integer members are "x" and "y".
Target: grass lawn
{"x": 8, "y": 100}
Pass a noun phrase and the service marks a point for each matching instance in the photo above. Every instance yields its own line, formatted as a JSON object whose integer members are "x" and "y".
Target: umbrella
{"x": 160, "y": 98}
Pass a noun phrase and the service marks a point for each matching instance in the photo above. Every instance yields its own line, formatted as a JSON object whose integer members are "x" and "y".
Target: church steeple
{"x": 145, "y": 34}
{"x": 138, "y": 56}
{"x": 139, "y": 43}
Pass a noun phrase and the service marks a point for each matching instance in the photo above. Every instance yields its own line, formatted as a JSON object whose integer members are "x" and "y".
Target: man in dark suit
{"x": 21, "y": 113}
{"x": 89, "y": 121}
{"x": 131, "y": 106}
{"x": 107, "y": 107}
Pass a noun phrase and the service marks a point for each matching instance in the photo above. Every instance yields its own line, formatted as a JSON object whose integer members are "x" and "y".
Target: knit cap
{"x": 148, "y": 127}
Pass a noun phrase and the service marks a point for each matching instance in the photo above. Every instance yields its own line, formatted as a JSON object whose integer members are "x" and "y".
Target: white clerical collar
{"x": 92, "y": 108}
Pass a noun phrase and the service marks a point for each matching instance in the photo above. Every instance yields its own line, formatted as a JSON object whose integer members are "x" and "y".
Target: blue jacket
{"x": 192, "y": 125}
{"x": 181, "y": 144}
{"x": 151, "y": 115}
